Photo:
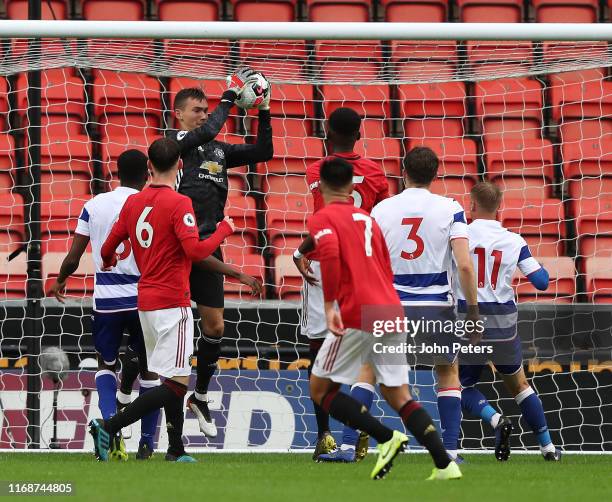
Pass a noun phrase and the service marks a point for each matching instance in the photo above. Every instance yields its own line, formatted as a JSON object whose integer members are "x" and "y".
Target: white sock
{"x": 201, "y": 397}
{"x": 346, "y": 447}
{"x": 452, "y": 454}
{"x": 124, "y": 398}
{"x": 549, "y": 448}
{"x": 495, "y": 420}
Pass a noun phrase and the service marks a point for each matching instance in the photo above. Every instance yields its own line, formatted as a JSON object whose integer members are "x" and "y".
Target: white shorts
{"x": 313, "y": 321}
{"x": 341, "y": 357}
{"x": 168, "y": 337}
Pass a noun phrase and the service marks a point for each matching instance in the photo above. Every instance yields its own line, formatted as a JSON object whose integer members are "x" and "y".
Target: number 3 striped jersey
{"x": 418, "y": 227}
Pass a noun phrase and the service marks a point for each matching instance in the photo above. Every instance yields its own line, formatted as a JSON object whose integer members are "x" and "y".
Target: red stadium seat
{"x": 120, "y": 92}
{"x": 287, "y": 215}
{"x": 287, "y": 278}
{"x": 185, "y": 10}
{"x": 566, "y": 11}
{"x": 367, "y": 100}
{"x": 59, "y": 216}
{"x": 265, "y": 10}
{"x": 562, "y": 285}
{"x": 63, "y": 185}
{"x": 519, "y": 97}
{"x": 241, "y": 209}
{"x": 61, "y": 92}
{"x": 7, "y": 152}
{"x": 458, "y": 157}
{"x": 129, "y": 129}
{"x": 524, "y": 187}
{"x": 197, "y": 57}
{"x": 289, "y": 127}
{"x": 422, "y": 70}
{"x": 436, "y": 99}
{"x": 79, "y": 284}
{"x": 339, "y": 10}
{"x": 438, "y": 129}
{"x": 384, "y": 151}
{"x": 51, "y": 49}
{"x": 348, "y": 61}
{"x": 72, "y": 156}
{"x": 424, "y": 50}
{"x": 498, "y": 128}
{"x": 13, "y": 275}
{"x": 534, "y": 217}
{"x": 451, "y": 186}
{"x": 594, "y": 226}
{"x": 486, "y": 57}
{"x": 292, "y": 155}
{"x": 110, "y": 51}
{"x": 54, "y": 9}
{"x": 12, "y": 232}
{"x": 113, "y": 10}
{"x": 599, "y": 279}
{"x": 580, "y": 95}
{"x": 285, "y": 184}
{"x": 490, "y": 11}
{"x": 415, "y": 11}
{"x": 545, "y": 245}
{"x": 251, "y": 264}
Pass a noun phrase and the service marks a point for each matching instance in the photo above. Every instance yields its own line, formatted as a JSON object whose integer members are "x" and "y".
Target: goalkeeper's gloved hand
{"x": 236, "y": 82}
{"x": 265, "y": 104}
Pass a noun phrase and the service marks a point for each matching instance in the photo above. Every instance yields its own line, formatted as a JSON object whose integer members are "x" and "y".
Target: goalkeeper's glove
{"x": 265, "y": 104}
{"x": 236, "y": 82}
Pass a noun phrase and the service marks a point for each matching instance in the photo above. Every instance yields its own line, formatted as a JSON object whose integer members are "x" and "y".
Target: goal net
{"x": 533, "y": 117}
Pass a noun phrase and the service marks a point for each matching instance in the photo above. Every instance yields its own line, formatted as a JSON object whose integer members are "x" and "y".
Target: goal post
{"x": 526, "y": 106}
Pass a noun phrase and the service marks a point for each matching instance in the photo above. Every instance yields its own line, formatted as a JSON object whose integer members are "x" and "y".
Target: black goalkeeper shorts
{"x": 207, "y": 287}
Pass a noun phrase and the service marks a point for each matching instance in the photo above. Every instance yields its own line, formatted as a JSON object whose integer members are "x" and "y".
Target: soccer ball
{"x": 254, "y": 93}
{"x": 54, "y": 363}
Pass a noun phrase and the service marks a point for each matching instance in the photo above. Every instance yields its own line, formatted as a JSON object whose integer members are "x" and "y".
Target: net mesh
{"x": 534, "y": 118}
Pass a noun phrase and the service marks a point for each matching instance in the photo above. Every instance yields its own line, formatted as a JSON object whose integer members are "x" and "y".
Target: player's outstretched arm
{"x": 529, "y": 266}
{"x": 261, "y": 151}
{"x": 215, "y": 265}
{"x": 69, "y": 266}
{"x": 117, "y": 235}
{"x": 467, "y": 280}
{"x": 197, "y": 250}
{"x": 539, "y": 279}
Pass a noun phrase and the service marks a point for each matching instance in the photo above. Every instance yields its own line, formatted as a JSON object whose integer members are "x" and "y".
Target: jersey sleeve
{"x": 325, "y": 238}
{"x": 187, "y": 140}
{"x": 527, "y": 264}
{"x": 82, "y": 227}
{"x": 183, "y": 220}
{"x": 261, "y": 151}
{"x": 458, "y": 227}
{"x": 117, "y": 235}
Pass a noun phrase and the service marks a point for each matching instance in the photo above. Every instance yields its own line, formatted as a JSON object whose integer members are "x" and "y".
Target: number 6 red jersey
{"x": 162, "y": 229}
{"x": 349, "y": 242}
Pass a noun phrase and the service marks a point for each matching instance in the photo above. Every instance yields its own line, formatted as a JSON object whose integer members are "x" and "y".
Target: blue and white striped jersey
{"x": 117, "y": 290}
{"x": 418, "y": 227}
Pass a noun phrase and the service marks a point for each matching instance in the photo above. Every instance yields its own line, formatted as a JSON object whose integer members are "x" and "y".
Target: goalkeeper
{"x": 203, "y": 179}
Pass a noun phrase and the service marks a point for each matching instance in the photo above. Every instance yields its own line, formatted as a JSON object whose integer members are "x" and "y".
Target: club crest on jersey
{"x": 212, "y": 167}
{"x": 219, "y": 153}
{"x": 189, "y": 220}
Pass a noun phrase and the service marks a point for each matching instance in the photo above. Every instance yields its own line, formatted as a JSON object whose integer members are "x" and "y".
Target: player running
{"x": 424, "y": 232}
{"x": 369, "y": 187}
{"x": 357, "y": 275}
{"x": 162, "y": 229}
{"x": 114, "y": 299}
{"x": 497, "y": 253}
{"x": 203, "y": 178}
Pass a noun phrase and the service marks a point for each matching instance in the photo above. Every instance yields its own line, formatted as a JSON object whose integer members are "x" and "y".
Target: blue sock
{"x": 473, "y": 401}
{"x": 533, "y": 413}
{"x": 148, "y": 423}
{"x": 364, "y": 393}
{"x": 106, "y": 384}
{"x": 449, "y": 407}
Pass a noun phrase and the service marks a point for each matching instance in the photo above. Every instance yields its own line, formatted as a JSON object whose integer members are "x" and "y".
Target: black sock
{"x": 209, "y": 349}
{"x": 321, "y": 415}
{"x": 175, "y": 416}
{"x": 419, "y": 423}
{"x": 355, "y": 415}
{"x": 144, "y": 404}
{"x": 129, "y": 371}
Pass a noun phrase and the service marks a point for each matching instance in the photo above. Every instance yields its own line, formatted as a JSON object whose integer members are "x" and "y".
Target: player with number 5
{"x": 162, "y": 229}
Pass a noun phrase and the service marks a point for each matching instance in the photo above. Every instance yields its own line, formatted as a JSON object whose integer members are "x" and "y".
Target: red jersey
{"x": 370, "y": 183}
{"x": 358, "y": 272}
{"x": 162, "y": 230}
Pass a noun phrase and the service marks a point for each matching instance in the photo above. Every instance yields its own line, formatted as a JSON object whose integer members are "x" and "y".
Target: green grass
{"x": 295, "y": 477}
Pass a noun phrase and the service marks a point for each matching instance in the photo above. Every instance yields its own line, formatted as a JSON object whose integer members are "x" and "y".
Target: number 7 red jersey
{"x": 355, "y": 262}
{"x": 162, "y": 229}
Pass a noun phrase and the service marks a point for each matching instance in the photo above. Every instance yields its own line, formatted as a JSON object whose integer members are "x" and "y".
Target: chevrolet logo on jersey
{"x": 211, "y": 167}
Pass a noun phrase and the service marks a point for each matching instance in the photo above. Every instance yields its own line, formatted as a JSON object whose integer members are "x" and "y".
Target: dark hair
{"x": 132, "y": 167}
{"x": 487, "y": 196}
{"x": 184, "y": 94}
{"x": 421, "y": 165}
{"x": 336, "y": 172}
{"x": 345, "y": 122}
{"x": 164, "y": 153}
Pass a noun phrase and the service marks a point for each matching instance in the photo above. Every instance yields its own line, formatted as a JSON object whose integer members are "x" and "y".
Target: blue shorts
{"x": 108, "y": 329}
{"x": 507, "y": 359}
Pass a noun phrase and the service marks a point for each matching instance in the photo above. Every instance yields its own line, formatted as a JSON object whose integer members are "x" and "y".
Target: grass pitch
{"x": 295, "y": 477}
